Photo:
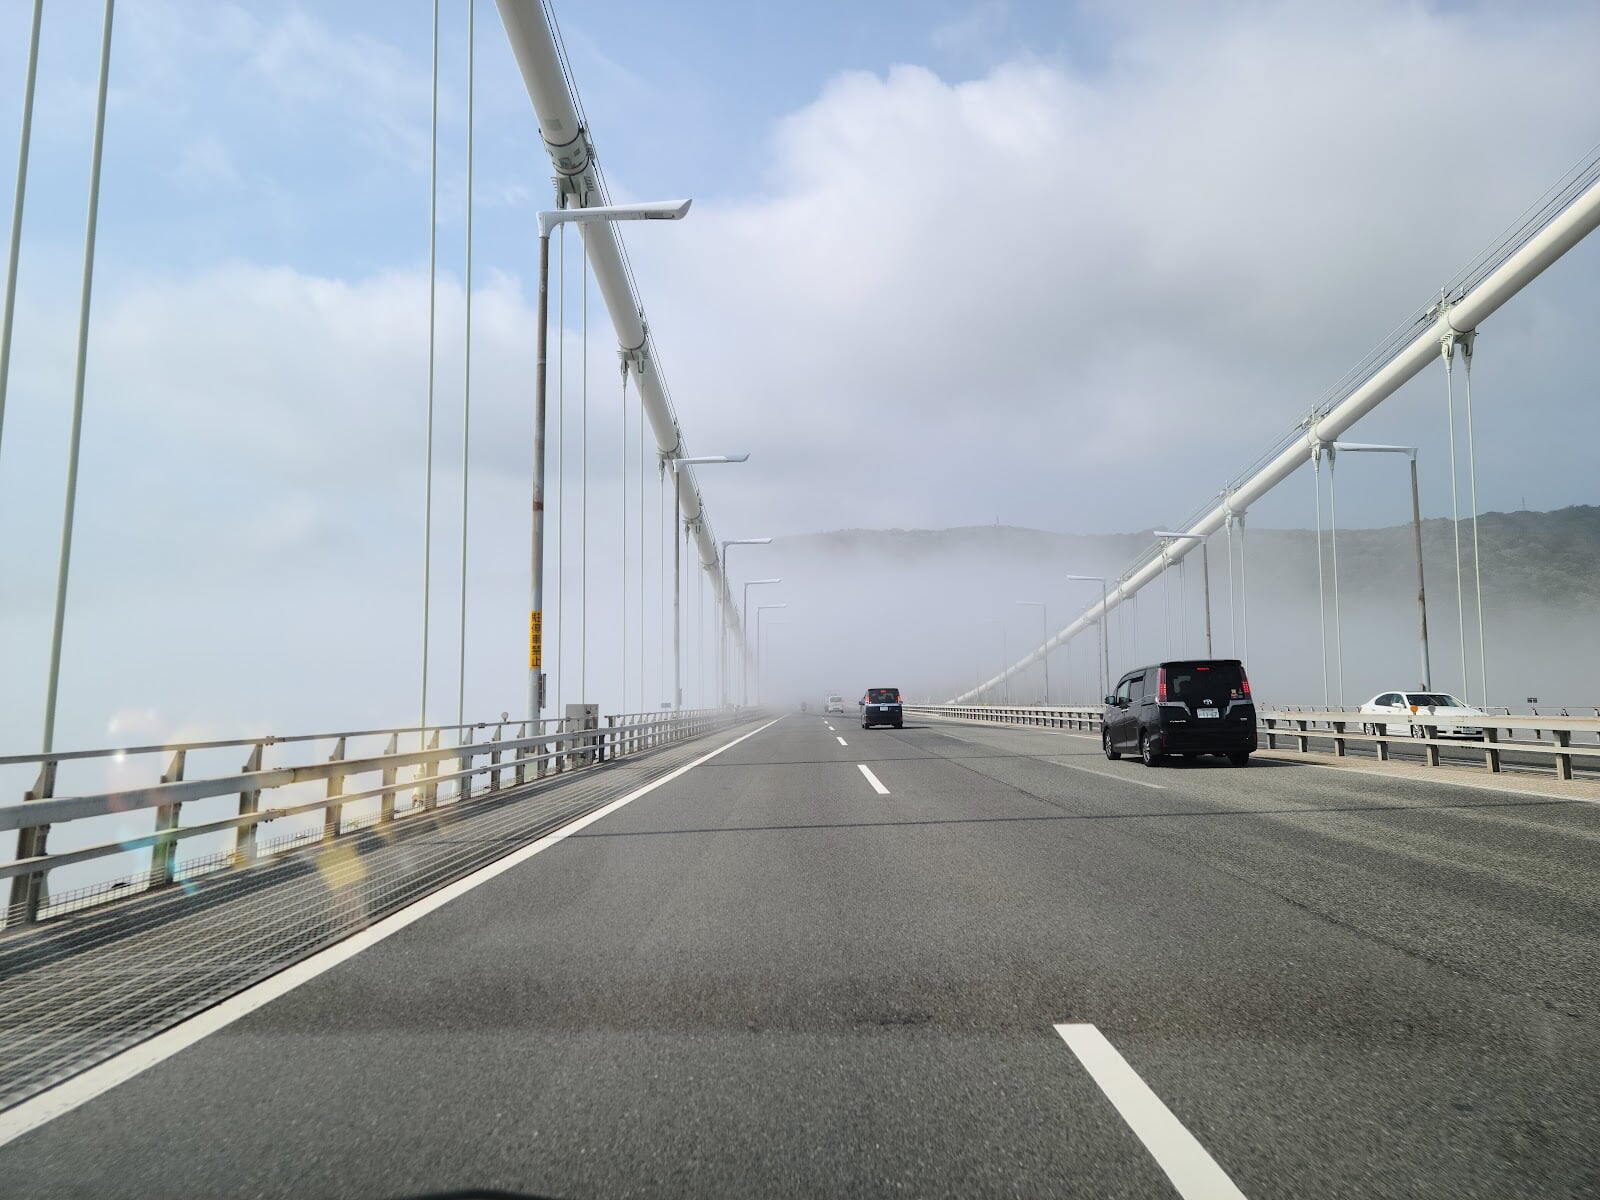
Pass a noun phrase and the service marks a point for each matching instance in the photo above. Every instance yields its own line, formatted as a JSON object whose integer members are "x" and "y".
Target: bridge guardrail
{"x": 1341, "y": 727}
{"x": 557, "y": 747}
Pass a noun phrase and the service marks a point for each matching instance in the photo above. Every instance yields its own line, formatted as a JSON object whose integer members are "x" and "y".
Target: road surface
{"x": 781, "y": 974}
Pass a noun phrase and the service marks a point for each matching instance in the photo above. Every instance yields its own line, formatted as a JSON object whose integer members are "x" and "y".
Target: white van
{"x": 835, "y": 704}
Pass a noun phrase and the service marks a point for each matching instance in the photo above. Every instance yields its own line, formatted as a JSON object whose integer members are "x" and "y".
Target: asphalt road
{"x": 767, "y": 978}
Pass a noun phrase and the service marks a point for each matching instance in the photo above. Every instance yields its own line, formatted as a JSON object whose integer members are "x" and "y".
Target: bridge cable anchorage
{"x": 466, "y": 395}
{"x": 1322, "y": 591}
{"x": 1468, "y": 340}
{"x": 18, "y": 196}
{"x": 433, "y": 290}
{"x": 1447, "y": 348}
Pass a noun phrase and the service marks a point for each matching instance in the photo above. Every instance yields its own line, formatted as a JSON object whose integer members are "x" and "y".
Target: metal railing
{"x": 1341, "y": 727}
{"x": 475, "y": 768}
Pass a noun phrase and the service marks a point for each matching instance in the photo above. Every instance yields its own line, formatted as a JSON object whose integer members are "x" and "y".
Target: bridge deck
{"x": 768, "y": 978}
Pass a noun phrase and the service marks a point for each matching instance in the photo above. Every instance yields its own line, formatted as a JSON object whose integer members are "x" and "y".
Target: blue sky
{"x": 981, "y": 253}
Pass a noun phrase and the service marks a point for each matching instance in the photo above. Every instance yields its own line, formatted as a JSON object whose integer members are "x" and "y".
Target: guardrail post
{"x": 464, "y": 765}
{"x": 1431, "y": 750}
{"x": 244, "y": 842}
{"x": 28, "y": 892}
{"x": 1563, "y": 761}
{"x": 494, "y": 760}
{"x": 1338, "y": 738}
{"x": 164, "y": 853}
{"x": 386, "y": 801}
{"x": 606, "y": 738}
{"x": 428, "y": 770}
{"x": 331, "y": 811}
{"x": 1305, "y": 742}
{"x": 1491, "y": 756}
{"x": 1272, "y": 738}
{"x": 519, "y": 773}
{"x": 1383, "y": 745}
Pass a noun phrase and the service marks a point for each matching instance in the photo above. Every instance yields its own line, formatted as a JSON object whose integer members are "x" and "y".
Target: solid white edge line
{"x": 1192, "y": 1171}
{"x": 877, "y": 786}
{"x": 102, "y": 1077}
{"x": 840, "y": 740}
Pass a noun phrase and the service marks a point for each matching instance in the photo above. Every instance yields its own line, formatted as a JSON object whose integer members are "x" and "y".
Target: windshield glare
{"x": 1433, "y": 700}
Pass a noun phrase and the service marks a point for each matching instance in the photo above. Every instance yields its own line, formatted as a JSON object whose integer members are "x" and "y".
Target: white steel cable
{"x": 466, "y": 397}
{"x": 1333, "y": 544}
{"x": 433, "y": 293}
{"x": 561, "y": 460}
{"x": 1166, "y": 599}
{"x": 1244, "y": 594}
{"x": 1183, "y": 606}
{"x": 75, "y": 439}
{"x": 583, "y": 503}
{"x": 1322, "y": 591}
{"x": 1449, "y": 350}
{"x": 1477, "y": 557}
{"x": 622, "y": 610}
{"x": 642, "y": 640}
{"x": 1233, "y": 607}
{"x": 17, "y": 198}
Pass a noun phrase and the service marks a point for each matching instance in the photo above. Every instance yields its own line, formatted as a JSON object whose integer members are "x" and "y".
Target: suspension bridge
{"x": 684, "y": 943}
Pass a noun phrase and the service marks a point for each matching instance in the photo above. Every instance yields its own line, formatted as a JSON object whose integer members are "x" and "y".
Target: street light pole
{"x": 1044, "y": 626}
{"x": 761, "y": 608}
{"x": 744, "y": 639}
{"x": 1105, "y": 652}
{"x": 1416, "y": 542}
{"x": 677, "y": 562}
{"x": 722, "y": 625}
{"x": 669, "y": 210}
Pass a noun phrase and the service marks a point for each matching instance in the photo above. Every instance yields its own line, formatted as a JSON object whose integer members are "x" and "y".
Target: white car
{"x": 835, "y": 704}
{"x": 1410, "y": 712}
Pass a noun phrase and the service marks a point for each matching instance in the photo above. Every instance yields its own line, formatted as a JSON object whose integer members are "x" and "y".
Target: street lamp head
{"x": 726, "y": 542}
{"x": 1088, "y": 578}
{"x": 704, "y": 459}
{"x": 753, "y": 582}
{"x": 1359, "y": 447}
{"x": 656, "y": 210}
{"x": 764, "y": 607}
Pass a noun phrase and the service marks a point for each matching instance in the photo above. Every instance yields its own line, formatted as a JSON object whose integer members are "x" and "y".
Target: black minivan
{"x": 1199, "y": 706}
{"x": 881, "y": 706}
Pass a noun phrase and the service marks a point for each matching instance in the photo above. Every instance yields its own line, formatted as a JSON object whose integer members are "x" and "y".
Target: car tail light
{"x": 1161, "y": 684}
{"x": 1244, "y": 681}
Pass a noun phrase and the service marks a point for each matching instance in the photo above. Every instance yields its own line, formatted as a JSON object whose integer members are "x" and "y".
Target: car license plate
{"x": 1205, "y": 712}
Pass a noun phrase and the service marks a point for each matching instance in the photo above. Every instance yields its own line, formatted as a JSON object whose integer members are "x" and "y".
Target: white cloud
{"x": 988, "y": 294}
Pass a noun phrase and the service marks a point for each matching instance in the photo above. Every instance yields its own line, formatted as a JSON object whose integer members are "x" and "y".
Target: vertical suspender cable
{"x": 1244, "y": 595}
{"x": 666, "y": 602}
{"x": 561, "y": 463}
{"x": 1233, "y": 607}
{"x": 623, "y": 594}
{"x": 583, "y": 499}
{"x": 86, "y": 288}
{"x": 1333, "y": 545}
{"x": 1166, "y": 597}
{"x": 17, "y": 198}
{"x": 427, "y": 473}
{"x": 1322, "y": 591}
{"x": 1183, "y": 606}
{"x": 1477, "y": 557}
{"x": 466, "y": 410}
{"x": 1448, "y": 349}
{"x": 642, "y": 642}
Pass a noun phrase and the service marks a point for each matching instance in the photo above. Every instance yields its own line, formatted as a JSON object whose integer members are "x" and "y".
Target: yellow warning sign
{"x": 535, "y": 639}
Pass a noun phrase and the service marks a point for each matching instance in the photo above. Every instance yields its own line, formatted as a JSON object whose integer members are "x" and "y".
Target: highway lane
{"x": 767, "y": 977}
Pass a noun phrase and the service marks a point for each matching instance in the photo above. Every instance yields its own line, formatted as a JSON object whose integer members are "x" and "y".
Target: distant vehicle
{"x": 835, "y": 704}
{"x": 1411, "y": 712}
{"x": 881, "y": 706}
{"x": 804, "y": 707}
{"x": 1194, "y": 707}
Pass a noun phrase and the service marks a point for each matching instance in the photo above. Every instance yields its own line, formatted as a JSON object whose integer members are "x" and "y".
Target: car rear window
{"x": 1204, "y": 681}
{"x": 883, "y": 695}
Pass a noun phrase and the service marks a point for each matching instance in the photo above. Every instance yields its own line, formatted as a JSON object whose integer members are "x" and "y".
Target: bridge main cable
{"x": 1560, "y": 234}
{"x": 571, "y": 152}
